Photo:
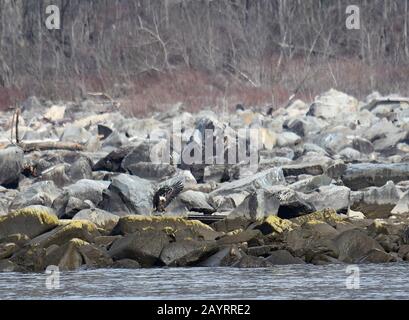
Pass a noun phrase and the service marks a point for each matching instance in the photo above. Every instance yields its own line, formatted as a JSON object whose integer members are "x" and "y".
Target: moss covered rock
{"x": 353, "y": 245}
{"x": 7, "y": 249}
{"x": 70, "y": 229}
{"x": 321, "y": 229}
{"x": 229, "y": 224}
{"x": 239, "y": 237}
{"x": 101, "y": 218}
{"x": 133, "y": 223}
{"x": 76, "y": 253}
{"x": 329, "y": 216}
{"x": 144, "y": 246}
{"x": 187, "y": 252}
{"x": 66, "y": 257}
{"x": 275, "y": 224}
{"x": 31, "y": 222}
{"x": 30, "y": 258}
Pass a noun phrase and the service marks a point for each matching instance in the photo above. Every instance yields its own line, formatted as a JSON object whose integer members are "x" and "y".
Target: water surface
{"x": 381, "y": 281}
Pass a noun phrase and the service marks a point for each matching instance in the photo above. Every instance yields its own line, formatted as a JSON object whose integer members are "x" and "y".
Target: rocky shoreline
{"x": 330, "y": 186}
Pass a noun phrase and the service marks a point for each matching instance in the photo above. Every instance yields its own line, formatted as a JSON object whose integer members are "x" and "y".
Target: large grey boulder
{"x": 331, "y": 196}
{"x": 387, "y": 145}
{"x": 336, "y": 169}
{"x": 376, "y": 202}
{"x": 73, "y": 254}
{"x": 379, "y": 130}
{"x": 350, "y": 154}
{"x": 311, "y": 183}
{"x": 260, "y": 180}
{"x": 288, "y": 138}
{"x": 311, "y": 147}
{"x": 116, "y": 140}
{"x": 27, "y": 221}
{"x": 149, "y": 170}
{"x": 187, "y": 252}
{"x": 362, "y": 175}
{"x": 83, "y": 194}
{"x": 112, "y": 161}
{"x": 75, "y": 134}
{"x": 334, "y": 141}
{"x": 257, "y": 205}
{"x": 128, "y": 195}
{"x": 6, "y": 197}
{"x": 57, "y": 174}
{"x": 40, "y": 193}
{"x": 362, "y": 145}
{"x": 80, "y": 169}
{"x": 402, "y": 206}
{"x": 298, "y": 126}
{"x": 11, "y": 161}
{"x": 139, "y": 153}
{"x": 353, "y": 245}
{"x": 292, "y": 203}
{"x": 332, "y": 104}
{"x": 377, "y": 256}
{"x": 196, "y": 201}
{"x": 101, "y": 218}
{"x": 143, "y": 246}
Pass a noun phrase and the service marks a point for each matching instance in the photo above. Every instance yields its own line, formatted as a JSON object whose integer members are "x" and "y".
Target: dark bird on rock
{"x": 165, "y": 195}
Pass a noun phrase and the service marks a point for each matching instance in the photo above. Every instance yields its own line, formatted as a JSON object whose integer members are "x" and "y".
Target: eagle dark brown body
{"x": 165, "y": 195}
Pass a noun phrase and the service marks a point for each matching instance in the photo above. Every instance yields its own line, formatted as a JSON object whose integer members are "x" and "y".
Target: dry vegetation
{"x": 205, "y": 52}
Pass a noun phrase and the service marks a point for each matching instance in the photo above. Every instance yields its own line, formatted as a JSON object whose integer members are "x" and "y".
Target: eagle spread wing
{"x": 166, "y": 194}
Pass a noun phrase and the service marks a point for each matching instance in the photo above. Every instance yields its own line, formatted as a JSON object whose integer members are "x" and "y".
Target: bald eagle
{"x": 165, "y": 195}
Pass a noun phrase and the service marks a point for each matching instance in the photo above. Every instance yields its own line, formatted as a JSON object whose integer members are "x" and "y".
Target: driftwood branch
{"x": 50, "y": 145}
{"x": 102, "y": 95}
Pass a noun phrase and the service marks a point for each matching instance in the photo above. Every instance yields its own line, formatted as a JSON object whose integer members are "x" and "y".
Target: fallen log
{"x": 50, "y": 145}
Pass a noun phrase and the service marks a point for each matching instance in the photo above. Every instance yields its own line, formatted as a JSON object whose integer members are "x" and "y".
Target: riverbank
{"x": 329, "y": 184}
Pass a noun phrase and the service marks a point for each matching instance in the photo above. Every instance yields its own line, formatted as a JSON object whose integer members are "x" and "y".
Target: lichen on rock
{"x": 133, "y": 223}
{"x": 29, "y": 221}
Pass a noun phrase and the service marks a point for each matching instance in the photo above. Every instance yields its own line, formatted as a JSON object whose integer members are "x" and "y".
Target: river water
{"x": 381, "y": 281}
